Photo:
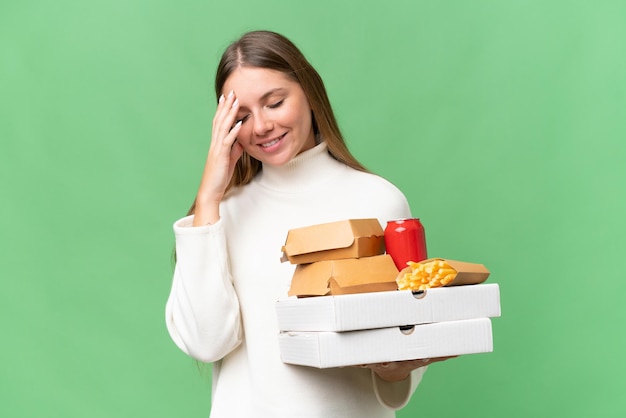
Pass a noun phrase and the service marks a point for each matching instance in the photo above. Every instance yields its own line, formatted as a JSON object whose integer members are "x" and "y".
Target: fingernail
{"x": 237, "y": 125}
{"x": 236, "y": 103}
{"x": 221, "y": 99}
{"x": 231, "y": 94}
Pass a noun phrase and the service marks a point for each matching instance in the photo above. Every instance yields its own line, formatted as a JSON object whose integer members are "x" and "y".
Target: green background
{"x": 502, "y": 121}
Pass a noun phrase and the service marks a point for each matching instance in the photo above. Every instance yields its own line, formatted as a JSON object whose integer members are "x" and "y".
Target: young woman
{"x": 277, "y": 161}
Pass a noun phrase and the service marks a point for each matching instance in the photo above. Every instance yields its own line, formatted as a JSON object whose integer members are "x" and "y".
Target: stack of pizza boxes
{"x": 344, "y": 307}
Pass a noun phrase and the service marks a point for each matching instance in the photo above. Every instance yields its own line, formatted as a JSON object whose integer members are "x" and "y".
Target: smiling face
{"x": 275, "y": 114}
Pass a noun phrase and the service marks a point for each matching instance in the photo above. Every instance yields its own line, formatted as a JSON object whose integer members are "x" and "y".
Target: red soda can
{"x": 405, "y": 240}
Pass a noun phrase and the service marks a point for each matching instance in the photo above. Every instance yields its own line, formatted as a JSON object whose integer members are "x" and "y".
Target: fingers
{"x": 427, "y": 361}
{"x": 438, "y": 359}
{"x": 224, "y": 133}
{"x": 223, "y": 154}
{"x": 411, "y": 364}
{"x": 235, "y": 152}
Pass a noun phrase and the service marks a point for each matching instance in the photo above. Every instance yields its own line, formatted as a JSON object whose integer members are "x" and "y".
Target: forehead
{"x": 253, "y": 82}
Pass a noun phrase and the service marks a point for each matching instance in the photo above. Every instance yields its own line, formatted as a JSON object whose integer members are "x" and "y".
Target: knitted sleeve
{"x": 202, "y": 311}
{"x": 396, "y": 395}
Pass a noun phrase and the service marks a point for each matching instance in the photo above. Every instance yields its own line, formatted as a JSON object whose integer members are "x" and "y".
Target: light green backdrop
{"x": 503, "y": 122}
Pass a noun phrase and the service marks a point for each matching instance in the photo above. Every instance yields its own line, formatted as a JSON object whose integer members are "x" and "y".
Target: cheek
{"x": 300, "y": 117}
{"x": 306, "y": 121}
{"x": 244, "y": 132}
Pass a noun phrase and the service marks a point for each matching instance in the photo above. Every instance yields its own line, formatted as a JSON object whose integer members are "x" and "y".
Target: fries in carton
{"x": 438, "y": 272}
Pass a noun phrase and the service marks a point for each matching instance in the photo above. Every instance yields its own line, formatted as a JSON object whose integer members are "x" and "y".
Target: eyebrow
{"x": 272, "y": 91}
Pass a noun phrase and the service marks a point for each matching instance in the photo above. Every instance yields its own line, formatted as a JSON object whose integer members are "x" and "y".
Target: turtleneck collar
{"x": 307, "y": 169}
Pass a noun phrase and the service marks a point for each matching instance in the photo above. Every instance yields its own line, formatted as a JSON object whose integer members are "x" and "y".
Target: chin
{"x": 275, "y": 160}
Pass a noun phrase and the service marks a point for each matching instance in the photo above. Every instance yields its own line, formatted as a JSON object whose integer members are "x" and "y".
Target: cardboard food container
{"x": 338, "y": 349}
{"x": 339, "y": 277}
{"x": 466, "y": 273}
{"x": 388, "y": 309}
{"x": 352, "y": 238}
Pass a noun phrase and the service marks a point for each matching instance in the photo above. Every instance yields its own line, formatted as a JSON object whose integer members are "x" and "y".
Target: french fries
{"x": 425, "y": 275}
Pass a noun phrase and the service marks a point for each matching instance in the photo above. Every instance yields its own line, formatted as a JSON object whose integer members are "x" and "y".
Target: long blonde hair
{"x": 270, "y": 50}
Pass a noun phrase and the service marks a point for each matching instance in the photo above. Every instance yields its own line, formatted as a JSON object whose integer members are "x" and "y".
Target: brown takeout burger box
{"x": 466, "y": 273}
{"x": 352, "y": 238}
{"x": 338, "y": 277}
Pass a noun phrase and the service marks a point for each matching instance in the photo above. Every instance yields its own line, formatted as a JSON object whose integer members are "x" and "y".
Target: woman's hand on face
{"x": 399, "y": 370}
{"x": 220, "y": 165}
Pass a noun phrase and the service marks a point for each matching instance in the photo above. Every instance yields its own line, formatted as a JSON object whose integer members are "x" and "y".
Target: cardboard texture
{"x": 388, "y": 309}
{"x": 338, "y": 277}
{"x": 466, "y": 273}
{"x": 338, "y": 349}
{"x": 353, "y": 238}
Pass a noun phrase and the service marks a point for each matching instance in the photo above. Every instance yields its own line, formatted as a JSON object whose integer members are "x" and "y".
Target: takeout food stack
{"x": 346, "y": 307}
{"x": 339, "y": 258}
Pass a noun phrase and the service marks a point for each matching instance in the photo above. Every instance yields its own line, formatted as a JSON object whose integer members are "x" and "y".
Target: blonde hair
{"x": 270, "y": 50}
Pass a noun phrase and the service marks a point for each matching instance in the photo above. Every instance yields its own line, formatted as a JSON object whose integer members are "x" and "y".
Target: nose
{"x": 262, "y": 124}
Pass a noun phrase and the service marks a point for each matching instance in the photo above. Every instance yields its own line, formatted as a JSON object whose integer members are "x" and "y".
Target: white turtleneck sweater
{"x": 228, "y": 277}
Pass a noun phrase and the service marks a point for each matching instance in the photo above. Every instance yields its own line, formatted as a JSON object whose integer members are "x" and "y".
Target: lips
{"x": 272, "y": 142}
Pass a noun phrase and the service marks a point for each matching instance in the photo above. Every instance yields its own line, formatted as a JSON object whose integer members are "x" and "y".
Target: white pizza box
{"x": 387, "y": 309}
{"x": 337, "y": 349}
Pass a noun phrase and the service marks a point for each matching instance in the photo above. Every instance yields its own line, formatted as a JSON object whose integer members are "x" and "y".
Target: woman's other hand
{"x": 399, "y": 370}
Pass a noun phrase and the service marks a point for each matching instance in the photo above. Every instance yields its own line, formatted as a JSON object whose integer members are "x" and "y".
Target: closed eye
{"x": 243, "y": 119}
{"x": 275, "y": 105}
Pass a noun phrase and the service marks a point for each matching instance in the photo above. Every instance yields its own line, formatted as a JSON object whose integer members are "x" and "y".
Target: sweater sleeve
{"x": 396, "y": 395}
{"x": 202, "y": 311}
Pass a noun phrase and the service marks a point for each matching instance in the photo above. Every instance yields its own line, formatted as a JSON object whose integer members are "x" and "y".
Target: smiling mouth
{"x": 272, "y": 142}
